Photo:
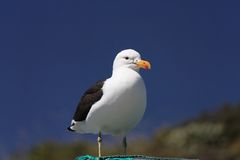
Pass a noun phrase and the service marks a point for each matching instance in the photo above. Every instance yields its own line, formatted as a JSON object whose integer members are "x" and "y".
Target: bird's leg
{"x": 124, "y": 142}
{"x": 99, "y": 140}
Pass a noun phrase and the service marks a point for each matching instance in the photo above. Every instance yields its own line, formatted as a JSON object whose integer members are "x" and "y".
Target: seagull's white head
{"x": 130, "y": 58}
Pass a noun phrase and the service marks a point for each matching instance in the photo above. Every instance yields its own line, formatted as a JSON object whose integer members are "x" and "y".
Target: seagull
{"x": 116, "y": 105}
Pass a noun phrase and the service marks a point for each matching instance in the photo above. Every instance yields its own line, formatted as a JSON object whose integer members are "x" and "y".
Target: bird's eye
{"x": 126, "y": 58}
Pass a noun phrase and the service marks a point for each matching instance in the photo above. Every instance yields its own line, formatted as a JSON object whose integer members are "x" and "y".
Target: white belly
{"x": 121, "y": 107}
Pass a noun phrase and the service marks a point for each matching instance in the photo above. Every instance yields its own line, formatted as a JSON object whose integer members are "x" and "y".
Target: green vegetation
{"x": 211, "y": 136}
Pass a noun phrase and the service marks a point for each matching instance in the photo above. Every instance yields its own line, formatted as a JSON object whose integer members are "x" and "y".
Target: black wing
{"x": 91, "y": 96}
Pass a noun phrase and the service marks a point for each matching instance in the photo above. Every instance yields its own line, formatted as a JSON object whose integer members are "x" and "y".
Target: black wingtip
{"x": 70, "y": 129}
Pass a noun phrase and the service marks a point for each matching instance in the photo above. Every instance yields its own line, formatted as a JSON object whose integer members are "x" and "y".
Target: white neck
{"x": 122, "y": 69}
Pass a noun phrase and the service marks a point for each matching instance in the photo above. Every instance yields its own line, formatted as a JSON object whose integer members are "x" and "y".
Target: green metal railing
{"x": 128, "y": 157}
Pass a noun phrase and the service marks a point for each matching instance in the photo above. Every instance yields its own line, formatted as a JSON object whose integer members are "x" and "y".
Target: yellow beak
{"x": 144, "y": 64}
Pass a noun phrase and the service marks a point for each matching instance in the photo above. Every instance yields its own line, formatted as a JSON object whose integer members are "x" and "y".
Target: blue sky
{"x": 51, "y": 51}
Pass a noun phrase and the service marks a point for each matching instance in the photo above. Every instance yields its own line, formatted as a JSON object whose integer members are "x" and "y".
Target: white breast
{"x": 122, "y": 105}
